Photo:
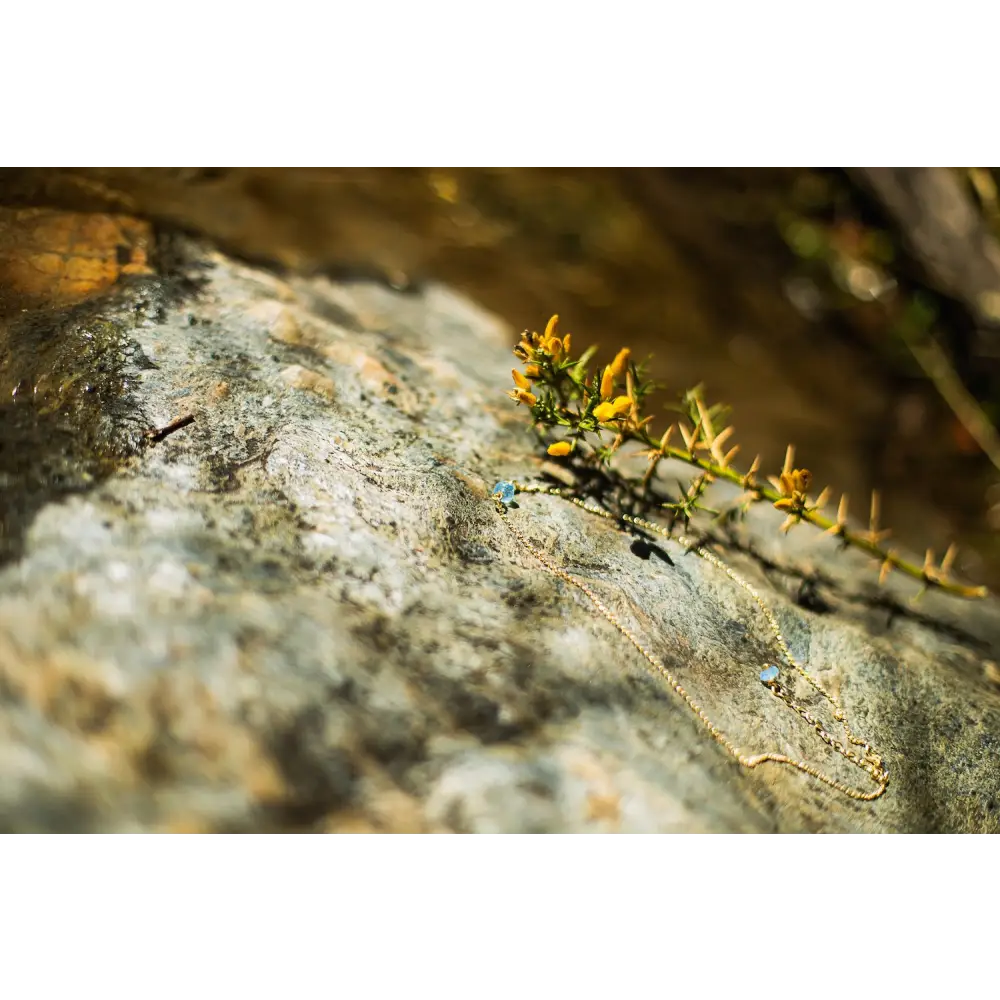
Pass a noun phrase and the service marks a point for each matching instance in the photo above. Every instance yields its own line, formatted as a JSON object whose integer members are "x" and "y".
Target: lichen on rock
{"x": 302, "y": 612}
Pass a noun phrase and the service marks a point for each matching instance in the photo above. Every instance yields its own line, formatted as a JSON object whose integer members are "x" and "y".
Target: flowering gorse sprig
{"x": 593, "y": 414}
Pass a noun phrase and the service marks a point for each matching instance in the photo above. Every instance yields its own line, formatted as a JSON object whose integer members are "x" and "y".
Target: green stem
{"x": 855, "y": 539}
{"x": 852, "y": 538}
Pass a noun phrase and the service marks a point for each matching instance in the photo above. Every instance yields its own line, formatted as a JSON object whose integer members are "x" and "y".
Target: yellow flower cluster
{"x": 580, "y": 407}
{"x": 794, "y": 488}
{"x": 542, "y": 353}
{"x": 537, "y": 349}
{"x": 544, "y": 346}
{"x": 521, "y": 393}
{"x": 609, "y": 409}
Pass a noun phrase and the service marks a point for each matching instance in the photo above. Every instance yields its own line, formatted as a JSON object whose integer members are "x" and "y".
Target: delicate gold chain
{"x": 864, "y": 758}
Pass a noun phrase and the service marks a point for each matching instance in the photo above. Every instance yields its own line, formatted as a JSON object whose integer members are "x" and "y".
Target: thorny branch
{"x": 580, "y": 411}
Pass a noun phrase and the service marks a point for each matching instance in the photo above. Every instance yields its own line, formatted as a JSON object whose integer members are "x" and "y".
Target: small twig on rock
{"x": 155, "y": 436}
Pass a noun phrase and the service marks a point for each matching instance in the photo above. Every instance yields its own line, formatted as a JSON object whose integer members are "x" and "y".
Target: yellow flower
{"x": 607, "y": 383}
{"x": 620, "y": 364}
{"x": 522, "y": 396}
{"x": 793, "y": 485}
{"x": 535, "y": 346}
{"x": 796, "y": 482}
{"x": 519, "y": 380}
{"x": 609, "y": 410}
{"x": 560, "y": 448}
{"x": 533, "y": 371}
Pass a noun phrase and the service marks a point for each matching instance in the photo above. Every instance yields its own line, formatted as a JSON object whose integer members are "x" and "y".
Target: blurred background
{"x": 855, "y": 313}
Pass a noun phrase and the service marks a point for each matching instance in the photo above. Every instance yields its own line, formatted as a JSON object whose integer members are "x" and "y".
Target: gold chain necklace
{"x": 864, "y": 757}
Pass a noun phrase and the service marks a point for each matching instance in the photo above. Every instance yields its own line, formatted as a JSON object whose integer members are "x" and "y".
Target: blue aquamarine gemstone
{"x": 504, "y": 492}
{"x": 769, "y": 674}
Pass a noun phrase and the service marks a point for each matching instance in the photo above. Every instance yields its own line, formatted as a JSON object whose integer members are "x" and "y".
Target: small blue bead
{"x": 504, "y": 492}
{"x": 769, "y": 674}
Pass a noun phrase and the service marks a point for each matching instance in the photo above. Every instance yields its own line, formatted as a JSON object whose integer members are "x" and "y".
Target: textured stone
{"x": 302, "y": 611}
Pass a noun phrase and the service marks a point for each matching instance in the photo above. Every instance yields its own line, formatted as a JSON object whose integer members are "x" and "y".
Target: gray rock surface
{"x": 302, "y": 611}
